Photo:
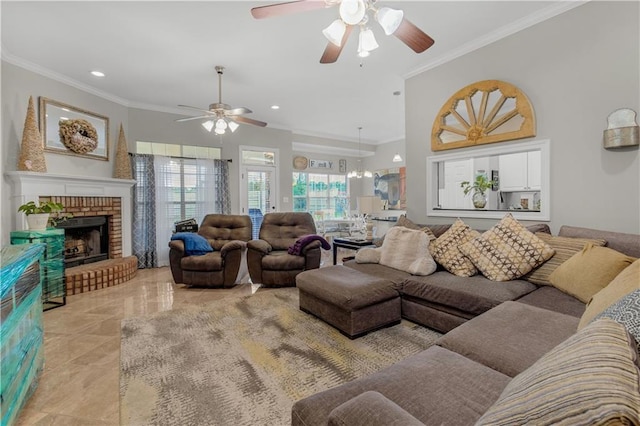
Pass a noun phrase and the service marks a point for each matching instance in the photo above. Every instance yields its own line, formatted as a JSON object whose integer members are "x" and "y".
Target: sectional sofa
{"x": 515, "y": 352}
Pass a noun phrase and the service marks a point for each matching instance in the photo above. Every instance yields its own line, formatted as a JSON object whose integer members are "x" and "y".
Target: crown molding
{"x": 500, "y": 33}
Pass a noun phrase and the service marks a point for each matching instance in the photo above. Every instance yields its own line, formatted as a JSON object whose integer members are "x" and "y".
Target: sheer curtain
{"x": 166, "y": 171}
{"x": 144, "y": 211}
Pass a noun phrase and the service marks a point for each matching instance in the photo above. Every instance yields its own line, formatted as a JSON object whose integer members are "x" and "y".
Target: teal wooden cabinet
{"x": 21, "y": 334}
{"x": 53, "y": 286}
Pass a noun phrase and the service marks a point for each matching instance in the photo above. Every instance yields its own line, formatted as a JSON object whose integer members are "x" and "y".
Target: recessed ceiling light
{"x": 275, "y": 106}
{"x": 97, "y": 73}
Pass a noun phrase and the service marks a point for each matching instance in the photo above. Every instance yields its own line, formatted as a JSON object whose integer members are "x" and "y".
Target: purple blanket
{"x": 296, "y": 249}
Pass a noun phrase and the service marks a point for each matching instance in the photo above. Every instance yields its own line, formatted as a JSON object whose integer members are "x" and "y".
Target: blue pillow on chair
{"x": 194, "y": 244}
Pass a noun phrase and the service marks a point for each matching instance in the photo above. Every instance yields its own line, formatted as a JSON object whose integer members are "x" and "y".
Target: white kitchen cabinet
{"x": 520, "y": 171}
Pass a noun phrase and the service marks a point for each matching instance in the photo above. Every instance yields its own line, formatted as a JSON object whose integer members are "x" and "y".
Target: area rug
{"x": 244, "y": 361}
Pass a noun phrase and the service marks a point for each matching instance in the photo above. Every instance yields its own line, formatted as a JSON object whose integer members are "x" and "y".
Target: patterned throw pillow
{"x": 588, "y": 379}
{"x": 589, "y": 271}
{"x": 507, "y": 251}
{"x": 445, "y": 249}
{"x": 626, "y": 311}
{"x": 565, "y": 248}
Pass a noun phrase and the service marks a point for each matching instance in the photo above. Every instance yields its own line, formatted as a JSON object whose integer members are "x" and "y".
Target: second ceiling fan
{"x": 222, "y": 116}
{"x": 353, "y": 12}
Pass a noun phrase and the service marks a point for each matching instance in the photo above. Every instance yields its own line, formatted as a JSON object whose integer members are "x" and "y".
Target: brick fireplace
{"x": 85, "y": 197}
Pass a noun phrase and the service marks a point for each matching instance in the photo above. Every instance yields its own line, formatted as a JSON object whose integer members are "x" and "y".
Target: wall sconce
{"x": 622, "y": 129}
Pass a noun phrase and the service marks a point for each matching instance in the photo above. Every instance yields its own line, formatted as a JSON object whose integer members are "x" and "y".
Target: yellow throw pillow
{"x": 589, "y": 271}
{"x": 507, "y": 251}
{"x": 627, "y": 281}
{"x": 445, "y": 249}
{"x": 565, "y": 248}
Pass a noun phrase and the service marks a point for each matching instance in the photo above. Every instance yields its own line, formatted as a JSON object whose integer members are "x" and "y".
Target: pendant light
{"x": 397, "y": 158}
{"x": 358, "y": 172}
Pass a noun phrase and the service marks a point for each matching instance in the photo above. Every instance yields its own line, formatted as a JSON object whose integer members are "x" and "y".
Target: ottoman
{"x": 353, "y": 302}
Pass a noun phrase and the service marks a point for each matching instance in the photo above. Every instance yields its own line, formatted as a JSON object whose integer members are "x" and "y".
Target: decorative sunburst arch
{"x": 485, "y": 112}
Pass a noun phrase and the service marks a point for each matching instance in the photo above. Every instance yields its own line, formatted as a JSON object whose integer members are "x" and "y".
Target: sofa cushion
{"x": 407, "y": 250}
{"x": 280, "y": 260}
{"x": 407, "y": 223}
{"x": 371, "y": 409}
{"x": 436, "y": 386}
{"x": 379, "y": 271}
{"x": 628, "y": 244}
{"x": 511, "y": 337}
{"x": 624, "y": 283}
{"x": 589, "y": 271}
{"x": 445, "y": 249}
{"x": 506, "y": 251}
{"x": 590, "y": 378}
{"x": 564, "y": 248}
{"x": 472, "y": 295}
{"x": 626, "y": 311}
{"x": 548, "y": 297}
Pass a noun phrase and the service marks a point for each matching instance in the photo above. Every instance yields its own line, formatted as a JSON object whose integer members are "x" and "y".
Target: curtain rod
{"x": 230, "y": 160}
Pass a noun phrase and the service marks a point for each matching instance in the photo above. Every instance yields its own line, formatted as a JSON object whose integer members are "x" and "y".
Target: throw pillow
{"x": 407, "y": 223}
{"x": 626, "y": 281}
{"x": 506, "y": 251}
{"x": 194, "y": 244}
{"x": 407, "y": 250}
{"x": 626, "y": 311}
{"x": 445, "y": 249}
{"x": 368, "y": 255}
{"x": 564, "y": 248}
{"x": 589, "y": 271}
{"x": 590, "y": 378}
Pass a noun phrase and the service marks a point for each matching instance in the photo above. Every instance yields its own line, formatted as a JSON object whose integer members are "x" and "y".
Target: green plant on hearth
{"x": 46, "y": 207}
{"x": 479, "y": 186}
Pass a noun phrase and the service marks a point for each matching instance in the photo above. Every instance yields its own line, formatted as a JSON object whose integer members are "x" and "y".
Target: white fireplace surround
{"x": 29, "y": 186}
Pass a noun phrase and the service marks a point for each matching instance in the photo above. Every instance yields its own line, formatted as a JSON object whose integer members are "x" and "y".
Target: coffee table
{"x": 349, "y": 243}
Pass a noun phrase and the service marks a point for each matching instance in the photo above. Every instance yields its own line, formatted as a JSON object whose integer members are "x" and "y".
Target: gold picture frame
{"x": 69, "y": 130}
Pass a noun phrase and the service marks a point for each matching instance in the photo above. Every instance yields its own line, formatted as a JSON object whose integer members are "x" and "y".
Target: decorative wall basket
{"x": 622, "y": 130}
{"x": 484, "y": 112}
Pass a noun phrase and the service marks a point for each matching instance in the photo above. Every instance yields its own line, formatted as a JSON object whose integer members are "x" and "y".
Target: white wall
{"x": 576, "y": 69}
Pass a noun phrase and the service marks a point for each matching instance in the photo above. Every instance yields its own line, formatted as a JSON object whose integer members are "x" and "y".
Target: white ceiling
{"x": 157, "y": 55}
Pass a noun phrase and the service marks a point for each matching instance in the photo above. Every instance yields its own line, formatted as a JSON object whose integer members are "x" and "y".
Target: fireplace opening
{"x": 86, "y": 240}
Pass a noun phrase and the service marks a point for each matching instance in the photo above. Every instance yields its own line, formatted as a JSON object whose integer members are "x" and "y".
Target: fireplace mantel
{"x": 29, "y": 186}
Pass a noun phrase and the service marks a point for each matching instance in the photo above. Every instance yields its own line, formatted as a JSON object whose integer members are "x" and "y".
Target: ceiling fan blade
{"x": 246, "y": 120}
{"x": 413, "y": 36}
{"x": 286, "y": 8}
{"x": 332, "y": 52}
{"x": 237, "y": 111}
{"x": 197, "y": 109}
{"x": 200, "y": 117}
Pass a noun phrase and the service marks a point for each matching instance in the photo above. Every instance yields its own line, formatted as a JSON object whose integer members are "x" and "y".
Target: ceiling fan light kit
{"x": 352, "y": 13}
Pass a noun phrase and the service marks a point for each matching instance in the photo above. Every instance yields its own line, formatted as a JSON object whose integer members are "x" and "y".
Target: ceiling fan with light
{"x": 352, "y": 13}
{"x": 221, "y": 116}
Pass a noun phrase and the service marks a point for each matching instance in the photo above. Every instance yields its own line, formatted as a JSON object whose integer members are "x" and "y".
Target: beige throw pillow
{"x": 564, "y": 248}
{"x": 589, "y": 271}
{"x": 627, "y": 281}
{"x": 588, "y": 379}
{"x": 368, "y": 255}
{"x": 445, "y": 249}
{"x": 407, "y": 250}
{"x": 507, "y": 251}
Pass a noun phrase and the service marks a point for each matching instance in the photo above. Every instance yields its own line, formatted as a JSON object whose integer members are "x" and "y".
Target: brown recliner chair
{"x": 268, "y": 259}
{"x": 228, "y": 236}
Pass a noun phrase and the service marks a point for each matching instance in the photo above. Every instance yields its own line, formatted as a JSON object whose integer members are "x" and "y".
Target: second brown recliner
{"x": 268, "y": 259}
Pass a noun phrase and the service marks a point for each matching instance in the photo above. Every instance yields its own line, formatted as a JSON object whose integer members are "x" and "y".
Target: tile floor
{"x": 80, "y": 382}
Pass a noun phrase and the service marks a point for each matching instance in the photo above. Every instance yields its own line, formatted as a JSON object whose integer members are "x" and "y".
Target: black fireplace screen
{"x": 86, "y": 240}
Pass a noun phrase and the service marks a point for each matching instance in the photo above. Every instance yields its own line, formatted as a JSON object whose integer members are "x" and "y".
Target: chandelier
{"x": 356, "y": 12}
{"x": 358, "y": 173}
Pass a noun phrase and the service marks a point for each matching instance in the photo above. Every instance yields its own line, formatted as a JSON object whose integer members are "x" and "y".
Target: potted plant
{"x": 38, "y": 215}
{"x": 479, "y": 187}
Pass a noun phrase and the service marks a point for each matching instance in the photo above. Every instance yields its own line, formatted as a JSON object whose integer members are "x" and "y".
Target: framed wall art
{"x": 73, "y": 131}
{"x": 391, "y": 186}
{"x": 321, "y": 164}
